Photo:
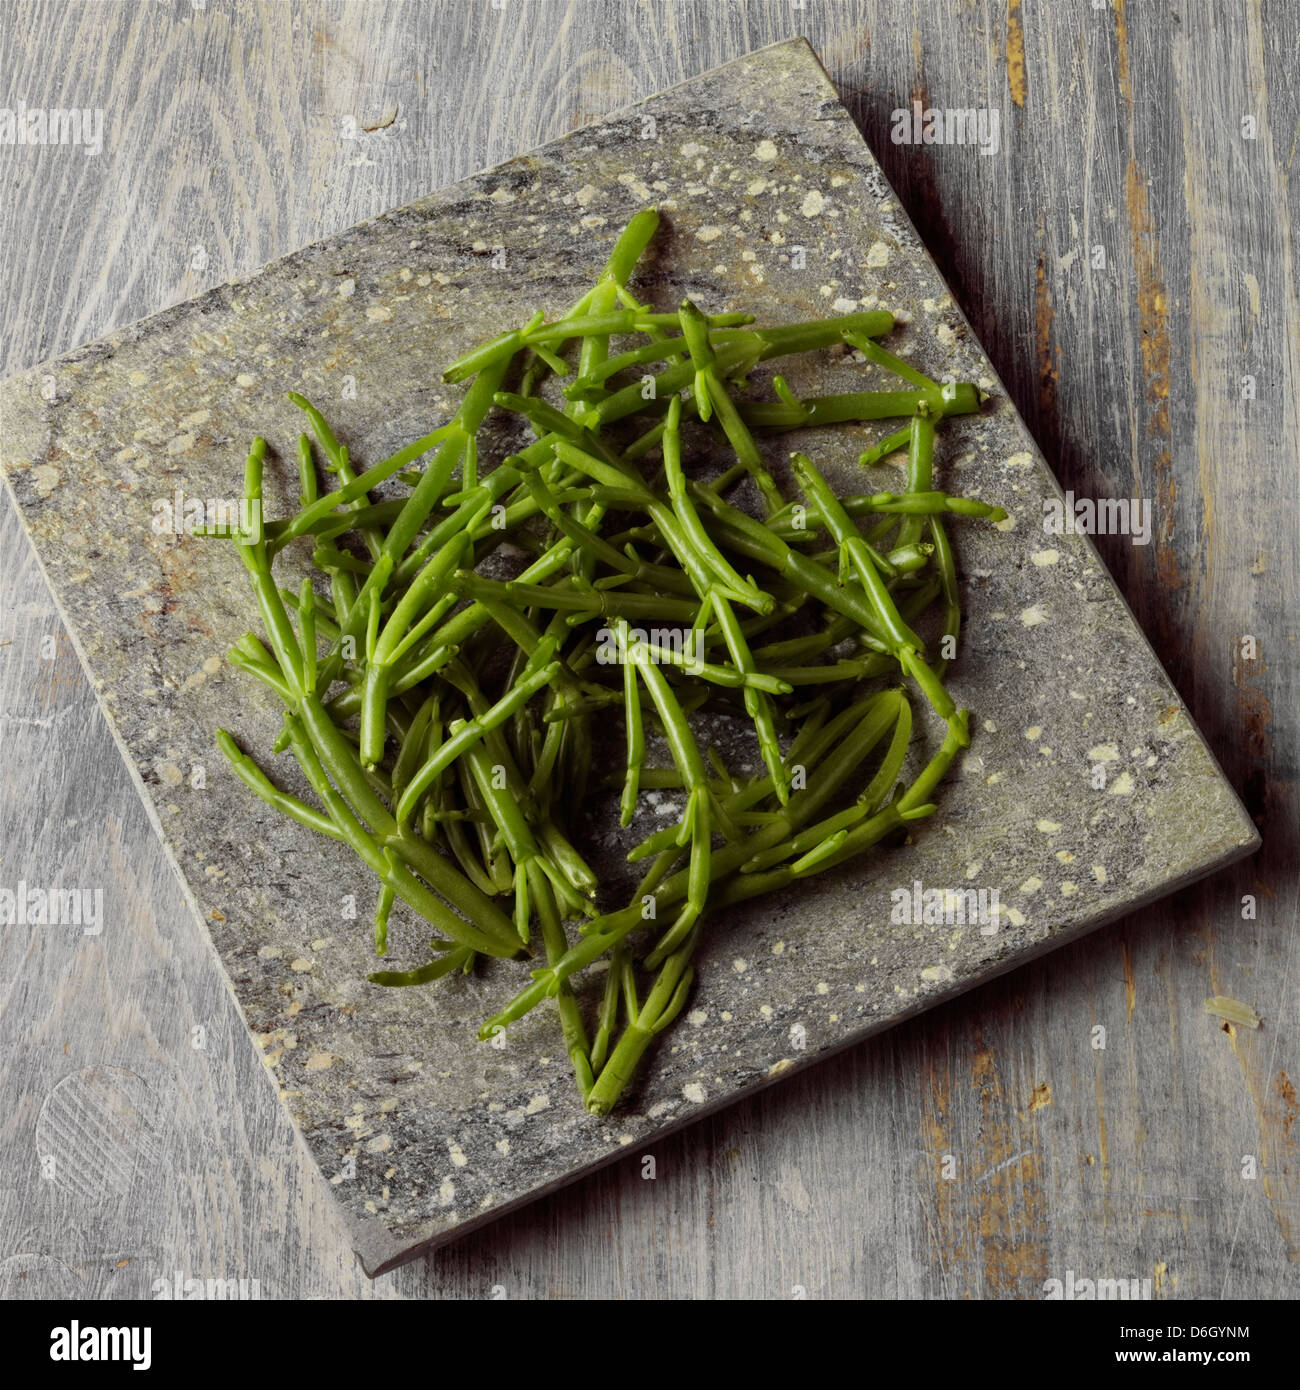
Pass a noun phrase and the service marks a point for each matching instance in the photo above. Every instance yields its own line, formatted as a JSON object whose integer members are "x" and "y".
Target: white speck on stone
{"x": 446, "y": 1193}
{"x": 845, "y": 306}
{"x": 766, "y": 151}
{"x": 936, "y": 974}
{"x": 301, "y": 964}
{"x": 586, "y": 194}
{"x": 823, "y": 987}
{"x": 708, "y": 233}
{"x": 380, "y": 1144}
{"x": 1104, "y": 753}
{"x": 1042, "y": 558}
{"x": 1033, "y": 616}
{"x": 456, "y": 1153}
{"x": 539, "y": 1102}
{"x": 877, "y": 255}
{"x": 740, "y": 965}
{"x": 1099, "y": 872}
{"x": 1021, "y": 460}
{"x": 502, "y": 1146}
{"x": 813, "y": 204}
{"x": 1122, "y": 785}
{"x": 638, "y": 188}
{"x": 691, "y": 149}
{"x": 346, "y": 287}
{"x": 1034, "y": 732}
{"x": 778, "y": 948}
{"x": 1048, "y": 827}
{"x": 1031, "y": 885}
{"x": 756, "y": 186}
{"x": 693, "y": 1092}
{"x": 697, "y": 1018}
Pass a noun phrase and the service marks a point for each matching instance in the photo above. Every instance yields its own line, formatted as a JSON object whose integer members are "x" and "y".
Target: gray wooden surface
{"x": 135, "y": 1146}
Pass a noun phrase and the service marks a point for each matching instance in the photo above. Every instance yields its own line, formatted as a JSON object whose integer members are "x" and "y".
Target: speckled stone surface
{"x": 770, "y": 198}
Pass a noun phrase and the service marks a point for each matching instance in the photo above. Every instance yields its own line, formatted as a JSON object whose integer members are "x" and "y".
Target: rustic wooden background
{"x": 1126, "y": 127}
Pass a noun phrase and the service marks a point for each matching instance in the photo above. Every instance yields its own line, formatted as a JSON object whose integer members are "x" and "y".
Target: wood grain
{"x": 235, "y": 132}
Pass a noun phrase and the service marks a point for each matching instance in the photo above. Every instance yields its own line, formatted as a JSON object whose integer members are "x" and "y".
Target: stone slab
{"x": 770, "y": 198}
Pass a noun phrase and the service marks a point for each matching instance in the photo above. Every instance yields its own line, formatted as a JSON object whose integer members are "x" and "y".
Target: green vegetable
{"x": 450, "y": 727}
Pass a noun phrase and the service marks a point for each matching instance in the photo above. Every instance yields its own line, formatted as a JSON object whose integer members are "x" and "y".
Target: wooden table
{"x": 1126, "y": 258}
